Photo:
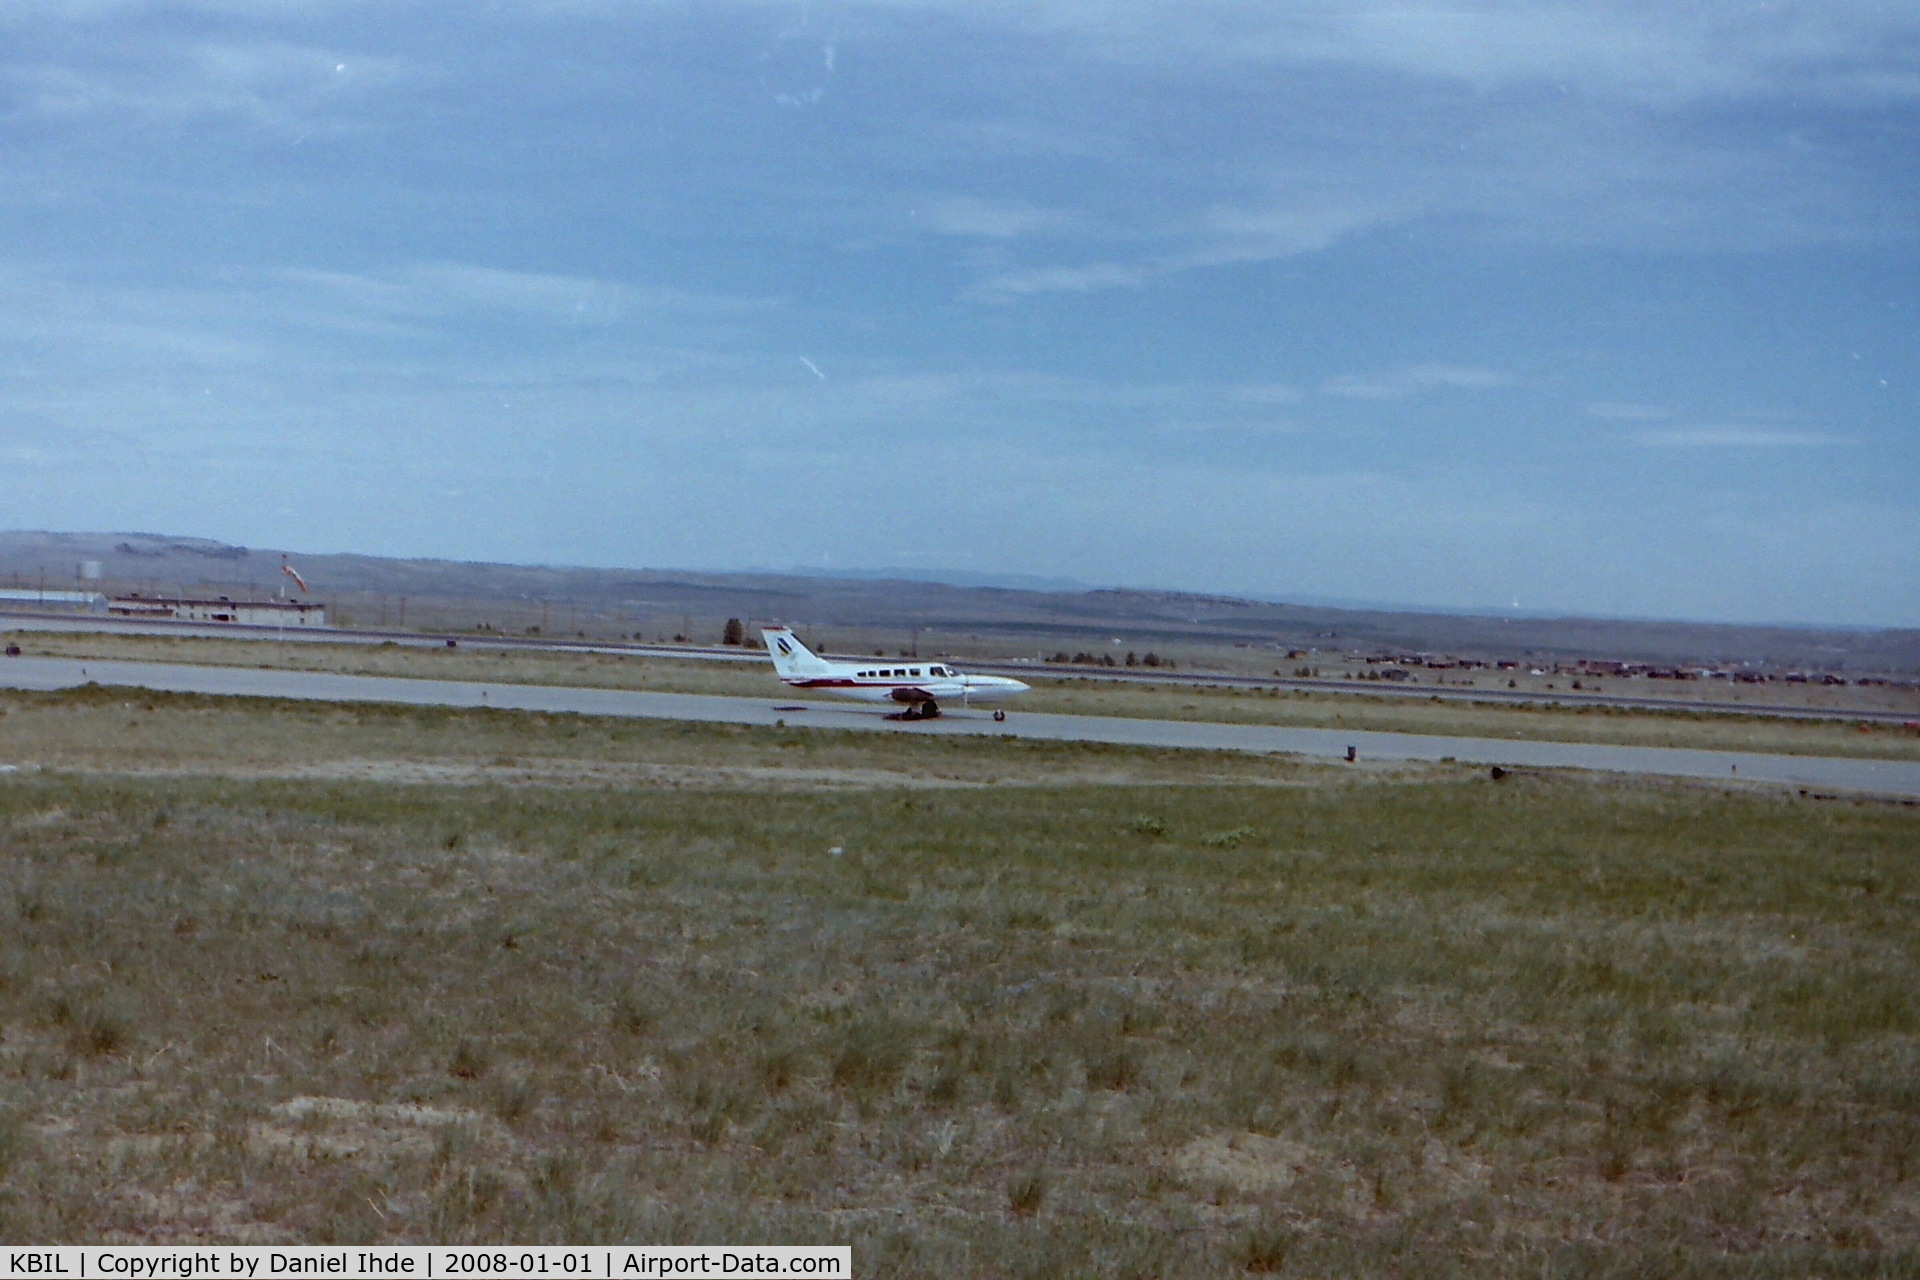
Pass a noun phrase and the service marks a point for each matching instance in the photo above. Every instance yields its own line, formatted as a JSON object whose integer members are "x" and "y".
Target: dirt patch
{"x": 1244, "y": 1163}
{"x": 341, "y": 1128}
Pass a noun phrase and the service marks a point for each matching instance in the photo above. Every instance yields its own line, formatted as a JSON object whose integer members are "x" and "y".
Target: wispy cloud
{"x": 1304, "y": 225}
{"x": 1352, "y": 387}
{"x": 1219, "y": 237}
{"x": 268, "y": 84}
{"x": 1012, "y": 285}
{"x": 1462, "y": 376}
{"x": 1397, "y": 384}
{"x": 989, "y": 219}
{"x": 1640, "y": 50}
{"x": 1265, "y": 393}
{"x": 1732, "y": 438}
{"x": 427, "y": 290}
{"x": 1618, "y": 411}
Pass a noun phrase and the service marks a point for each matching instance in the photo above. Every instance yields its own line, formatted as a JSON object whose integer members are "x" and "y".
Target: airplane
{"x": 918, "y": 685}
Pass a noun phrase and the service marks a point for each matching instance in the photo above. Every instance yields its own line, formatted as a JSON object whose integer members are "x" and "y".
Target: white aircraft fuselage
{"x": 919, "y": 687}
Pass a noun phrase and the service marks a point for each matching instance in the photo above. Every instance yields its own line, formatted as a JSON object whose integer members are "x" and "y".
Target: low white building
{"x": 250, "y": 613}
{"x": 36, "y": 600}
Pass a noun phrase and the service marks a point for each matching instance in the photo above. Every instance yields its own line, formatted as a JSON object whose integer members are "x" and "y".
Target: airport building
{"x": 39, "y": 600}
{"x": 251, "y": 613}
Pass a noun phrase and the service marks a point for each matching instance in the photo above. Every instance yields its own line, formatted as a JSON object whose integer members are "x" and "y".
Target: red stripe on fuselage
{"x": 837, "y": 682}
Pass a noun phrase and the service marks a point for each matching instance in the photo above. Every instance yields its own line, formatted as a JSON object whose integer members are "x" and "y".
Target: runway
{"x": 752, "y": 653}
{"x": 1897, "y": 778}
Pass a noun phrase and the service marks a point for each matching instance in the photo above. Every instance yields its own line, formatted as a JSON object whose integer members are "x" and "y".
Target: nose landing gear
{"x": 999, "y": 715}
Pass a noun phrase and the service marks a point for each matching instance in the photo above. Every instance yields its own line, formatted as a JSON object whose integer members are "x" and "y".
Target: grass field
{"x": 286, "y": 972}
{"x": 1063, "y": 693}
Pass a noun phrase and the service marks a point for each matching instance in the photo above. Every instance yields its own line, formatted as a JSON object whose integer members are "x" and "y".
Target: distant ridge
{"x": 994, "y": 614}
{"x": 947, "y": 577}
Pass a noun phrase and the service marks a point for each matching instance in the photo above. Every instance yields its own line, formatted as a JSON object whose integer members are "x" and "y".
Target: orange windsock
{"x": 294, "y": 574}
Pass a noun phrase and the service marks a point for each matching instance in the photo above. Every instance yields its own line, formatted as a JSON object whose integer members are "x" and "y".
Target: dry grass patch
{"x": 1394, "y": 1026}
{"x": 138, "y": 732}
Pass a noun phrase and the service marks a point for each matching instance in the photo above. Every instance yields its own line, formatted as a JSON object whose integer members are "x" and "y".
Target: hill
{"x": 985, "y": 620}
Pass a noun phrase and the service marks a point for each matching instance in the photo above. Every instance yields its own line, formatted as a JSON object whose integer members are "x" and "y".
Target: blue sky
{"x": 1610, "y": 307}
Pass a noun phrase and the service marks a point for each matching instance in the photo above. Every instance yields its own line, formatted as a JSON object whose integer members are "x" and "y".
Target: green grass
{"x": 1144, "y": 1016}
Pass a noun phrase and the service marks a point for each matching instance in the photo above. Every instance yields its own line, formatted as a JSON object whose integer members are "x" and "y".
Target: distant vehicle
{"x": 917, "y": 686}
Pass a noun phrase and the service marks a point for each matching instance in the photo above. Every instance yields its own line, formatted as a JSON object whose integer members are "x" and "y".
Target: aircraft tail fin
{"x": 791, "y": 659}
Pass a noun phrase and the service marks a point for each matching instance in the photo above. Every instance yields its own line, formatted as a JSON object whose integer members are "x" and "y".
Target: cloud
{"x": 991, "y": 219}
{"x": 1219, "y": 237}
{"x": 1350, "y": 387}
{"x": 1265, "y": 393}
{"x": 1400, "y": 383}
{"x": 1462, "y": 376}
{"x": 1731, "y": 438}
{"x": 438, "y": 290}
{"x": 1543, "y": 124}
{"x": 163, "y": 82}
{"x": 537, "y": 295}
{"x": 1282, "y": 230}
{"x": 1637, "y": 50}
{"x": 1616, "y": 411}
{"x": 1025, "y": 283}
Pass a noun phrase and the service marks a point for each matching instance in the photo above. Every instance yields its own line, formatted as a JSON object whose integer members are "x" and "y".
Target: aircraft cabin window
{"x": 916, "y": 671}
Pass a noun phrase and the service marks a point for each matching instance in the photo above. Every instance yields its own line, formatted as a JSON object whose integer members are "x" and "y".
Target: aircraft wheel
{"x": 929, "y": 709}
{"x": 999, "y": 715}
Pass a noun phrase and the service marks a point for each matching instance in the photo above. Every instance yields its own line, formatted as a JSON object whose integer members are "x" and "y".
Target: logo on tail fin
{"x": 791, "y": 658}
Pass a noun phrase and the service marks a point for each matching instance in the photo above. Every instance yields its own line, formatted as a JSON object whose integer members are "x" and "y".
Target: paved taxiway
{"x": 1019, "y": 670}
{"x": 1824, "y": 773}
